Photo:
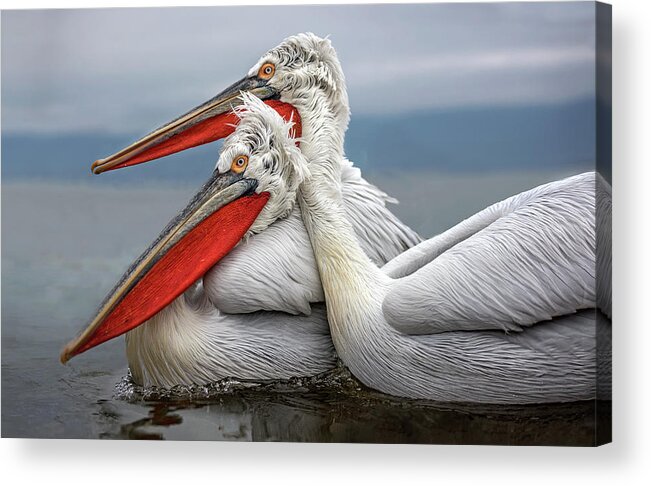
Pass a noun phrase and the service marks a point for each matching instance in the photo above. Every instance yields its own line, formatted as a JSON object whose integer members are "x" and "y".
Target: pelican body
{"x": 507, "y": 315}
{"x": 500, "y": 309}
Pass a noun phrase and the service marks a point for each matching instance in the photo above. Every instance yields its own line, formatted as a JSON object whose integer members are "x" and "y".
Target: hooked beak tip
{"x": 65, "y": 356}
{"x": 69, "y": 351}
{"x": 96, "y": 167}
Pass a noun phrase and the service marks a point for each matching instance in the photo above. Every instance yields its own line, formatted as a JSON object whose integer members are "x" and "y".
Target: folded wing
{"x": 524, "y": 260}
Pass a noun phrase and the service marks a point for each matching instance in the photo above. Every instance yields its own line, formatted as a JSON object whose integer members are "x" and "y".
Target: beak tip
{"x": 65, "y": 355}
{"x": 95, "y": 168}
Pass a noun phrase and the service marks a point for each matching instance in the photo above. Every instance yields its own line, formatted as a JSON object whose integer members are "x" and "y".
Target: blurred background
{"x": 454, "y": 107}
{"x": 454, "y": 88}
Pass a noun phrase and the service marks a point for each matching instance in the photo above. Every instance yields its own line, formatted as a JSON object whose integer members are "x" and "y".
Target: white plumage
{"x": 191, "y": 341}
{"x": 521, "y": 261}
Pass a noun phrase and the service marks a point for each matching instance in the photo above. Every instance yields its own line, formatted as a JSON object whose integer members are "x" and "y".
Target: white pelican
{"x": 464, "y": 322}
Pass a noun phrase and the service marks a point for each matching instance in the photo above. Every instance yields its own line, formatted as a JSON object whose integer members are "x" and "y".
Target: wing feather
{"x": 521, "y": 261}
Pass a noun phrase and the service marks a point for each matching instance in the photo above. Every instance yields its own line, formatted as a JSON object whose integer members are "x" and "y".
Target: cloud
{"x": 128, "y": 70}
{"x": 474, "y": 63}
{"x": 488, "y": 77}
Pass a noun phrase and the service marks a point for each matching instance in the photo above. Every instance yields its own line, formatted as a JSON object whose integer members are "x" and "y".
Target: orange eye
{"x": 267, "y": 70}
{"x": 239, "y": 164}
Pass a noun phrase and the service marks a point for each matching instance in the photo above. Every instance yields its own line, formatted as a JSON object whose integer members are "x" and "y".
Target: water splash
{"x": 338, "y": 379}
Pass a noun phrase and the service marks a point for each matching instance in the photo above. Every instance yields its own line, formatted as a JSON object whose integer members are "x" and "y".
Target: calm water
{"x": 63, "y": 248}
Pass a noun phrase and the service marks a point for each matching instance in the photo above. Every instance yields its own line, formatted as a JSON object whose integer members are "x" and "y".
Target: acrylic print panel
{"x": 438, "y": 328}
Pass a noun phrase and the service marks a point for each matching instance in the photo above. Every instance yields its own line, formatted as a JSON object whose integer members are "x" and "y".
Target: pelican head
{"x": 301, "y": 79}
{"x": 255, "y": 182}
{"x": 264, "y": 148}
{"x": 304, "y": 71}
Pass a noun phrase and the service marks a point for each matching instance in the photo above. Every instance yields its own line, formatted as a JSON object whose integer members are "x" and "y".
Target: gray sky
{"x": 129, "y": 70}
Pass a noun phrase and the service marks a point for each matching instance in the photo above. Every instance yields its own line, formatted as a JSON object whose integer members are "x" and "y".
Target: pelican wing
{"x": 524, "y": 260}
{"x": 275, "y": 270}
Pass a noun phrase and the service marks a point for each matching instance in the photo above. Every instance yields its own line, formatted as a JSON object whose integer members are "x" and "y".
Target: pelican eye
{"x": 267, "y": 70}
{"x": 239, "y": 164}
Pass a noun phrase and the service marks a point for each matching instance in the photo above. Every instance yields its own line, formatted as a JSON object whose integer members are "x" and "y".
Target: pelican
{"x": 501, "y": 308}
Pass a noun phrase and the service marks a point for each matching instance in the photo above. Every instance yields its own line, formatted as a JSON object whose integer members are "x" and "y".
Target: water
{"x": 65, "y": 245}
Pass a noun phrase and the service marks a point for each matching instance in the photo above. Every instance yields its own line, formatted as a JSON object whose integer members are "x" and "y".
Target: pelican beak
{"x": 205, "y": 231}
{"x": 206, "y": 123}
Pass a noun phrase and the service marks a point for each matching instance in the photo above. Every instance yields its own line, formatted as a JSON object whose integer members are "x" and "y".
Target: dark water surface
{"x": 63, "y": 248}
